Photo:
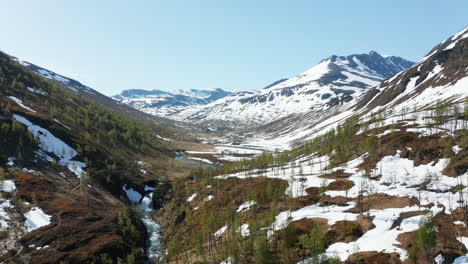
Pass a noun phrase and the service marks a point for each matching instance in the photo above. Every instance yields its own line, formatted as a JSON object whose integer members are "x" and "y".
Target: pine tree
{"x": 426, "y": 235}
{"x": 263, "y": 254}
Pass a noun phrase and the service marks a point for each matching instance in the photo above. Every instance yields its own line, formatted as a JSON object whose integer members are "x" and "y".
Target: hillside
{"x": 382, "y": 180}
{"x": 426, "y": 81}
{"x": 63, "y": 162}
{"x": 88, "y": 92}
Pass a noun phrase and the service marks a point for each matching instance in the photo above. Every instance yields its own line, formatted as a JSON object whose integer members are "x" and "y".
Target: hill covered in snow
{"x": 334, "y": 81}
{"x": 169, "y": 103}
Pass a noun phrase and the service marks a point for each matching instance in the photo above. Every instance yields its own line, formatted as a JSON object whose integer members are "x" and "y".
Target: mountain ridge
{"x": 332, "y": 82}
{"x": 167, "y": 103}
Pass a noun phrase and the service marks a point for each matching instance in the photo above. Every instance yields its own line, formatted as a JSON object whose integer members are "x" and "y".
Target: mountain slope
{"x": 63, "y": 161}
{"x": 164, "y": 103}
{"x": 334, "y": 81}
{"x": 87, "y": 92}
{"x": 438, "y": 76}
{"x": 381, "y": 180}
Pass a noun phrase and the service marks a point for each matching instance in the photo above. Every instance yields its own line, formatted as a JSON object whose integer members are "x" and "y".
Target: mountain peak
{"x": 374, "y": 53}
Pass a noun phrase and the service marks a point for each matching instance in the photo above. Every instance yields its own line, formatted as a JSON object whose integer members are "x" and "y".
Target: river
{"x": 154, "y": 244}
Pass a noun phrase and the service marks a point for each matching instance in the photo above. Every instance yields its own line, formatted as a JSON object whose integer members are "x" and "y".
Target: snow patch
{"x": 245, "y": 206}
{"x": 20, "y": 103}
{"x": 51, "y": 144}
{"x": 7, "y": 186}
{"x": 32, "y": 90}
{"x": 191, "y": 197}
{"x": 220, "y": 231}
{"x": 36, "y": 218}
{"x": 132, "y": 195}
{"x": 244, "y": 230}
{"x": 208, "y": 198}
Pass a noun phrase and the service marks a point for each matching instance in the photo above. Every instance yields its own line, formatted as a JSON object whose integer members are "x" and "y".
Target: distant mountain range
{"x": 165, "y": 103}
{"x": 333, "y": 81}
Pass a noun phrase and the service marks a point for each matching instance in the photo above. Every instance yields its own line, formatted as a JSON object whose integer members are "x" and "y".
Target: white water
{"x": 154, "y": 244}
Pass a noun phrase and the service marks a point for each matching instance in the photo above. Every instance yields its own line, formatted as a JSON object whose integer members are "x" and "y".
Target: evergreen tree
{"x": 314, "y": 242}
{"x": 263, "y": 254}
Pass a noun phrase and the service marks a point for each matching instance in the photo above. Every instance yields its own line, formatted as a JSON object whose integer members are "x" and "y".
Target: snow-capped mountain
{"x": 442, "y": 75}
{"x": 334, "y": 81}
{"x": 168, "y": 103}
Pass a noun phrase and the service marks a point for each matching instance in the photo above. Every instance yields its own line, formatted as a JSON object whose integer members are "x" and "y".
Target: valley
{"x": 360, "y": 159}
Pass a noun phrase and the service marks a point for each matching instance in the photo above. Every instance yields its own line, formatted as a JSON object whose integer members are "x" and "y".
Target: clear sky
{"x": 113, "y": 45}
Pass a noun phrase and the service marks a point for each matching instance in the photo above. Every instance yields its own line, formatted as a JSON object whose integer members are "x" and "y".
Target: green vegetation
{"x": 341, "y": 145}
{"x": 263, "y": 254}
{"x": 3, "y": 235}
{"x": 107, "y": 141}
{"x": 16, "y": 141}
{"x": 314, "y": 243}
{"x": 425, "y": 239}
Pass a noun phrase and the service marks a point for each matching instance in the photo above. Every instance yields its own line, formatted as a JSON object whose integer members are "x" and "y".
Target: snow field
{"x": 51, "y": 144}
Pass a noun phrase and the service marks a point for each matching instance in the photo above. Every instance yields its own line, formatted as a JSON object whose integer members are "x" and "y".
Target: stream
{"x": 185, "y": 158}
{"x": 154, "y": 244}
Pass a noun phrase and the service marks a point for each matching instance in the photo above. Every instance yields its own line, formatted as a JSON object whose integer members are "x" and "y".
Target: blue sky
{"x": 236, "y": 45}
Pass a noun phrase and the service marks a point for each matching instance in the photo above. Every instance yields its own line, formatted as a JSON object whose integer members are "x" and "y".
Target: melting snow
{"x": 132, "y": 195}
{"x": 20, "y": 103}
{"x": 11, "y": 161}
{"x": 227, "y": 261}
{"x": 201, "y": 160}
{"x": 36, "y": 218}
{"x": 7, "y": 186}
{"x": 381, "y": 238}
{"x": 163, "y": 138}
{"x": 4, "y": 217}
{"x": 49, "y": 143}
{"x": 456, "y": 149}
{"x": 244, "y": 230}
{"x": 245, "y": 206}
{"x": 220, "y": 231}
{"x": 192, "y": 197}
{"x": 461, "y": 260}
{"x": 208, "y": 198}
{"x": 32, "y": 90}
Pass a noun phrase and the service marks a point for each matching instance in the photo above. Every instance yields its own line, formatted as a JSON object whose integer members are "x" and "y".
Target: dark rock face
{"x": 376, "y": 63}
{"x": 161, "y": 194}
{"x": 373, "y": 64}
{"x": 275, "y": 83}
